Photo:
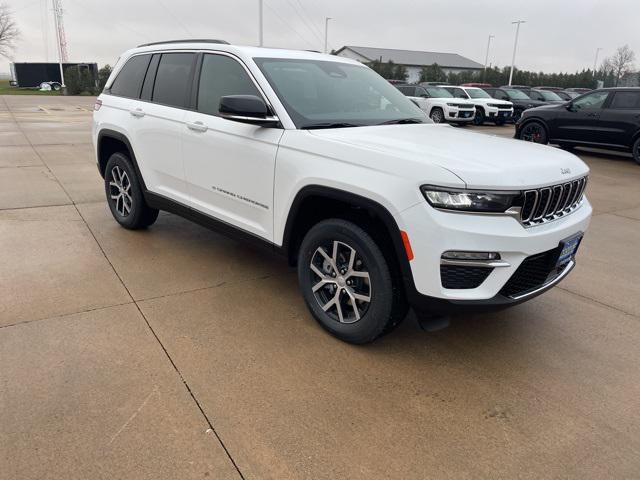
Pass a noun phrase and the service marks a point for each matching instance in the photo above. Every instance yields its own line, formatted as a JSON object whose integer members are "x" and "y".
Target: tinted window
{"x": 129, "y": 81}
{"x": 592, "y": 100}
{"x": 172, "y": 79}
{"x": 147, "y": 86}
{"x": 439, "y": 92}
{"x": 221, "y": 76}
{"x": 458, "y": 93}
{"x": 626, "y": 100}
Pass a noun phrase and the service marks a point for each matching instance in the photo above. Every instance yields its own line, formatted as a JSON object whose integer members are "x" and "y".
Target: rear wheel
{"x": 124, "y": 194}
{"x": 347, "y": 283}
{"x": 534, "y": 132}
{"x": 479, "y": 118}
{"x": 636, "y": 151}
{"x": 437, "y": 115}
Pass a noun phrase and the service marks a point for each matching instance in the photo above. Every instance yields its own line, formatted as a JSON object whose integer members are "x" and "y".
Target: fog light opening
{"x": 470, "y": 256}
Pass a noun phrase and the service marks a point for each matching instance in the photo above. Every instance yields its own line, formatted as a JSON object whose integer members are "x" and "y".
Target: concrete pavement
{"x": 178, "y": 353}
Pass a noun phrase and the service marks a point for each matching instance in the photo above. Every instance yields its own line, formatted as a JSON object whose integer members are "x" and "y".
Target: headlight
{"x": 452, "y": 105}
{"x": 469, "y": 200}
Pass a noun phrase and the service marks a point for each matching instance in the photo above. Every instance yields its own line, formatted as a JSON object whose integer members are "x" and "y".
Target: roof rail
{"x": 194, "y": 40}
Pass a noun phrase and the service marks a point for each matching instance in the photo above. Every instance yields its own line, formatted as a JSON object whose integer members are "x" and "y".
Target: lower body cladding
{"x": 460, "y": 116}
{"x": 509, "y": 265}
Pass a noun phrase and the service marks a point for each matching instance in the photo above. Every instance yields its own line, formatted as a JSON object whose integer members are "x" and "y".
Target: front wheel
{"x": 479, "y": 118}
{"x": 347, "y": 283}
{"x": 437, "y": 115}
{"x": 534, "y": 132}
{"x": 636, "y": 151}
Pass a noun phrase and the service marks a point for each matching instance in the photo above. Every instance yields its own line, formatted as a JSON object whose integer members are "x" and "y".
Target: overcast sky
{"x": 560, "y": 35}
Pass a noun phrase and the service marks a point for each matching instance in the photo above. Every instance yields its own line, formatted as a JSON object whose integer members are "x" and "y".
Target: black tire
{"x": 386, "y": 306}
{"x": 124, "y": 194}
{"x": 516, "y": 115}
{"x": 479, "y": 117}
{"x": 636, "y": 151}
{"x": 534, "y": 131}
{"x": 437, "y": 115}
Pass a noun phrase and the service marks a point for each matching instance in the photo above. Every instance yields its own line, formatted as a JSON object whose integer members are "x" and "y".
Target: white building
{"x": 413, "y": 60}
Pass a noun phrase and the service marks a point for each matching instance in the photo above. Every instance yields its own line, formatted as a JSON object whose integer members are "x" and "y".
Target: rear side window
{"x": 129, "y": 81}
{"x": 626, "y": 100}
{"x": 172, "y": 79}
{"x": 221, "y": 76}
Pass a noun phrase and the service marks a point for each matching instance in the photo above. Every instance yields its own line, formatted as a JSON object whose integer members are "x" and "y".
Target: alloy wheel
{"x": 437, "y": 116}
{"x": 120, "y": 191}
{"x": 533, "y": 132}
{"x": 340, "y": 282}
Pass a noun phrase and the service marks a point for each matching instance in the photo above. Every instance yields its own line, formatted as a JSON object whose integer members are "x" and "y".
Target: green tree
{"x": 433, "y": 73}
{"x": 103, "y": 76}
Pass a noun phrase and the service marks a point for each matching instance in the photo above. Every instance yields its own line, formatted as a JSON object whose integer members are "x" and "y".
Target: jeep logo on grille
{"x": 565, "y": 171}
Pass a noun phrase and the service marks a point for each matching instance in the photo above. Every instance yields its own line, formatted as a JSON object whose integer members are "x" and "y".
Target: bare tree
{"x": 620, "y": 63}
{"x": 8, "y": 31}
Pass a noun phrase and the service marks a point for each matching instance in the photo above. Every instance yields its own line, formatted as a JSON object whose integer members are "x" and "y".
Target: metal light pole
{"x": 486, "y": 58}
{"x": 595, "y": 61}
{"x": 63, "y": 55}
{"x": 260, "y": 23}
{"x": 515, "y": 46}
{"x": 326, "y": 32}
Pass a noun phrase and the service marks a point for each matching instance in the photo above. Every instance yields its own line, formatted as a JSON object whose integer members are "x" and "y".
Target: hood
{"x": 495, "y": 101}
{"x": 479, "y": 160}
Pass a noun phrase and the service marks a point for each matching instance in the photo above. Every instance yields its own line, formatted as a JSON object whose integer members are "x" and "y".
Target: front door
{"x": 621, "y": 118}
{"x": 229, "y": 166}
{"x": 578, "y": 121}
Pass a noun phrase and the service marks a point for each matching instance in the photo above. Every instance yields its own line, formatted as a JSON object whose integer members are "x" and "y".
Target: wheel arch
{"x": 314, "y": 203}
{"x": 110, "y": 142}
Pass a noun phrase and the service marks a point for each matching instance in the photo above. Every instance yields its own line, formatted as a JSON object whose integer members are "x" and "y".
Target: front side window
{"x": 626, "y": 100}
{"x": 592, "y": 101}
{"x": 320, "y": 93}
{"x": 477, "y": 93}
{"x": 128, "y": 83}
{"x": 550, "y": 96}
{"x": 221, "y": 76}
{"x": 458, "y": 93}
{"x": 517, "y": 95}
{"x": 172, "y": 79}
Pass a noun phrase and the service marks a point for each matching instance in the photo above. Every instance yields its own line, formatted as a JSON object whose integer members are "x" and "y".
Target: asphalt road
{"x": 177, "y": 353}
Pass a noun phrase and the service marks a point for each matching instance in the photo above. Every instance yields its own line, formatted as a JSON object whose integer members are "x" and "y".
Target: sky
{"x": 559, "y": 35}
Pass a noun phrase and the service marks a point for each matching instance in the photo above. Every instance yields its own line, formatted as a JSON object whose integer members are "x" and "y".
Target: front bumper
{"x": 460, "y": 116}
{"x": 432, "y": 232}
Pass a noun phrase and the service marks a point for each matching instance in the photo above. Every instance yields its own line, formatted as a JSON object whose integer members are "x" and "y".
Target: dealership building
{"x": 413, "y": 60}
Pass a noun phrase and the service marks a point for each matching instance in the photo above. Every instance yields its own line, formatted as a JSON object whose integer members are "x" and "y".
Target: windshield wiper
{"x": 400, "y": 121}
{"x": 312, "y": 126}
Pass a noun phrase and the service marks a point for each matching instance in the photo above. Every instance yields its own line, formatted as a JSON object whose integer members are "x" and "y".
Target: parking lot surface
{"x": 177, "y": 353}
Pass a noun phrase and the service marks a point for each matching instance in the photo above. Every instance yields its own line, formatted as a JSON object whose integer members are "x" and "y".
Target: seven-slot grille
{"x": 548, "y": 203}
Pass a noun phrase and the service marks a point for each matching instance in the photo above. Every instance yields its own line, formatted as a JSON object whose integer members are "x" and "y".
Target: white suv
{"x": 439, "y": 104}
{"x": 487, "y": 107}
{"x": 320, "y": 159}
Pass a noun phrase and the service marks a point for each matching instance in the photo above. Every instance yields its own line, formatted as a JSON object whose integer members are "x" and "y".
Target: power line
{"x": 173, "y": 17}
{"x": 304, "y": 20}
{"x": 288, "y": 25}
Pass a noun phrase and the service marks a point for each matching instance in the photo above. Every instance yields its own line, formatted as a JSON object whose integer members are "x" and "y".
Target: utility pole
{"x": 260, "y": 23}
{"x": 515, "y": 46}
{"x": 63, "y": 55}
{"x": 486, "y": 58}
{"x": 326, "y": 32}
{"x": 595, "y": 61}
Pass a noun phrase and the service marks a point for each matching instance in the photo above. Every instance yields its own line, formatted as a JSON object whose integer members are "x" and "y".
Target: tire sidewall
{"x": 544, "y": 139}
{"x": 437, "y": 111}
{"x": 134, "y": 217}
{"x": 478, "y": 119}
{"x": 375, "y": 319}
{"x": 636, "y": 151}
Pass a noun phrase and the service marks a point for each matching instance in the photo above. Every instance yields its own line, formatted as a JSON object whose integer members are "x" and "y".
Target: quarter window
{"x": 626, "y": 100}
{"x": 592, "y": 101}
{"x": 129, "y": 81}
{"x": 221, "y": 76}
{"x": 172, "y": 79}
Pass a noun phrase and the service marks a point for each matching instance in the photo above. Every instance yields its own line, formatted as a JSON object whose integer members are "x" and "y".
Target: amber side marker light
{"x": 407, "y": 245}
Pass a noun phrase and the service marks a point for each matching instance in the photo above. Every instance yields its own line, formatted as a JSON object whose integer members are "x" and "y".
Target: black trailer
{"x": 32, "y": 74}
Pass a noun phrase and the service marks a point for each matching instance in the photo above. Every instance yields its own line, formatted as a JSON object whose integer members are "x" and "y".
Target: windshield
{"x": 438, "y": 92}
{"x": 326, "y": 94}
{"x": 517, "y": 95}
{"x": 551, "y": 96}
{"x": 477, "y": 93}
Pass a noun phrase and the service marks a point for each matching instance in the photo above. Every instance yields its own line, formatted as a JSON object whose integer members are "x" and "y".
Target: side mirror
{"x": 569, "y": 106}
{"x": 246, "y": 109}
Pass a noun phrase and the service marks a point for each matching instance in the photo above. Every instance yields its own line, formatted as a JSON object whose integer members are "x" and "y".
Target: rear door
{"x": 620, "y": 118}
{"x": 229, "y": 166}
{"x": 579, "y": 122}
{"x": 165, "y": 96}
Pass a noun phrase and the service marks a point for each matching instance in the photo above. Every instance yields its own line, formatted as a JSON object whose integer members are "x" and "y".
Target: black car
{"x": 521, "y": 101}
{"x": 608, "y": 118}
{"x": 545, "y": 96}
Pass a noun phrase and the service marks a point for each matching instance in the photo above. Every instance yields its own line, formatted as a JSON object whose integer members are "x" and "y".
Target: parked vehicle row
{"x": 439, "y": 104}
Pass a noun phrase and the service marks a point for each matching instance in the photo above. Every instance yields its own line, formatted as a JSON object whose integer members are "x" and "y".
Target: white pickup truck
{"x": 439, "y": 104}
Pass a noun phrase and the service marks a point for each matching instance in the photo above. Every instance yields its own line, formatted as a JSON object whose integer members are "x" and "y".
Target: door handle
{"x": 197, "y": 126}
{"x": 138, "y": 113}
